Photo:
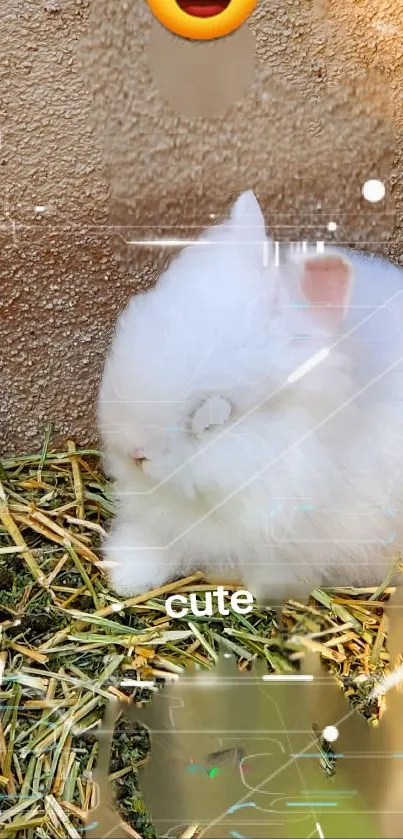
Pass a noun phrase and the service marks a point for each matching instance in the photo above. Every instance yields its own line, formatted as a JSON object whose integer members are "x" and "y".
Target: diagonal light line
{"x": 261, "y": 403}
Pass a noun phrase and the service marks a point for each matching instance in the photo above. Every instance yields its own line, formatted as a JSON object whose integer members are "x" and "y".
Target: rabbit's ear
{"x": 246, "y": 213}
{"x": 326, "y": 283}
{"x": 247, "y": 223}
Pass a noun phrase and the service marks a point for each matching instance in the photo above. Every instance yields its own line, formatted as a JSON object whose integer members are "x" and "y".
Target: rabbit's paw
{"x": 132, "y": 566}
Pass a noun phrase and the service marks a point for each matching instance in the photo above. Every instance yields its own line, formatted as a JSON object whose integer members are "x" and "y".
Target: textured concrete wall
{"x": 86, "y": 134}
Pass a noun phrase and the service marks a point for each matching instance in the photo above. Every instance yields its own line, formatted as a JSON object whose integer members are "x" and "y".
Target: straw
{"x": 68, "y": 644}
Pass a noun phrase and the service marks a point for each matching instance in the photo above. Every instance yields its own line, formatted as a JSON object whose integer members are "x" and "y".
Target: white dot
{"x": 332, "y": 226}
{"x": 116, "y": 607}
{"x": 373, "y": 191}
{"x": 212, "y": 215}
{"x": 330, "y": 733}
{"x": 227, "y": 655}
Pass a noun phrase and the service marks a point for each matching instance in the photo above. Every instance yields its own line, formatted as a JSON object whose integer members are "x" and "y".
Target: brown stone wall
{"x": 91, "y": 155}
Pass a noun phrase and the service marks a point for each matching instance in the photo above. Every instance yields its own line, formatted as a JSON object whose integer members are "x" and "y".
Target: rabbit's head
{"x": 208, "y": 367}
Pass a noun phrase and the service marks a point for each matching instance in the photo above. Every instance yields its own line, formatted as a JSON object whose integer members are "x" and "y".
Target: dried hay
{"x": 67, "y": 642}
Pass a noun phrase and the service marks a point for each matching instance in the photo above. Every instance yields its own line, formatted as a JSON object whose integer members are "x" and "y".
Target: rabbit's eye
{"x": 213, "y": 411}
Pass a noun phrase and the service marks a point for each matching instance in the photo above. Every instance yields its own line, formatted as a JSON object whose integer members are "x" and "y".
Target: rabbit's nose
{"x": 139, "y": 459}
{"x": 213, "y": 411}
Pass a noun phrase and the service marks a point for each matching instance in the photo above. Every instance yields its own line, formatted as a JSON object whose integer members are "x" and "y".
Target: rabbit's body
{"x": 248, "y": 427}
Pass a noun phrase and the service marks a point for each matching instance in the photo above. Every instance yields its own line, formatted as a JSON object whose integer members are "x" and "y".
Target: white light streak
{"x": 309, "y": 365}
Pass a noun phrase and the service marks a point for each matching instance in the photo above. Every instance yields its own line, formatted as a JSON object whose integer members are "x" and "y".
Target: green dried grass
{"x": 67, "y": 642}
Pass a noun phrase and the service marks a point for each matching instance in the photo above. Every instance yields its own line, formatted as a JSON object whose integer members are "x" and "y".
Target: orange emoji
{"x": 202, "y": 20}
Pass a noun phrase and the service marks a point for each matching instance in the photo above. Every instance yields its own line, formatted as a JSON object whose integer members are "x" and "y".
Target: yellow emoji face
{"x": 202, "y": 20}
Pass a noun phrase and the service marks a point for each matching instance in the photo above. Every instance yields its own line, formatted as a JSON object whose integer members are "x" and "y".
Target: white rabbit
{"x": 251, "y": 416}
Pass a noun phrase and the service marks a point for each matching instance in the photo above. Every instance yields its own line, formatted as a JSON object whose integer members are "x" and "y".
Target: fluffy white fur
{"x": 227, "y": 454}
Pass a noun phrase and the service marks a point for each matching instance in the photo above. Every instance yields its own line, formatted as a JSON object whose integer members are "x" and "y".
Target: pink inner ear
{"x": 326, "y": 281}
